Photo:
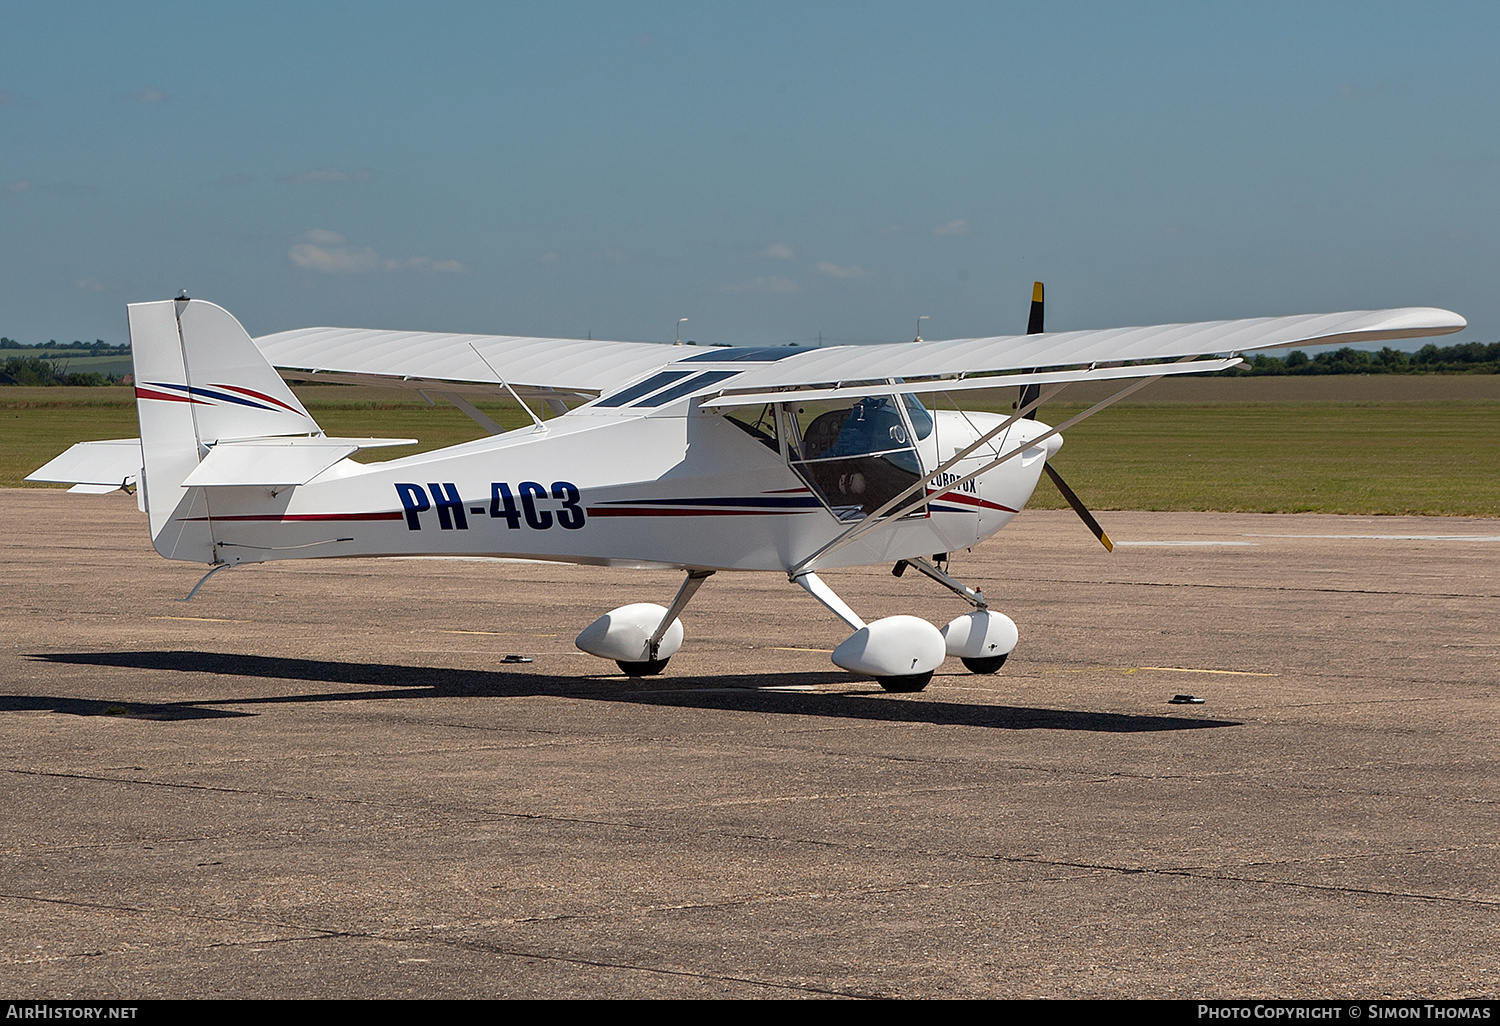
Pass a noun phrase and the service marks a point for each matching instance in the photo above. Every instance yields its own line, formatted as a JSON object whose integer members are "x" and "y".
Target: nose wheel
{"x": 982, "y": 639}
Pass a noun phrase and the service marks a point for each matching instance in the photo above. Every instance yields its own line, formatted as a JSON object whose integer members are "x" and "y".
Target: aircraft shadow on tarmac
{"x": 763, "y": 693}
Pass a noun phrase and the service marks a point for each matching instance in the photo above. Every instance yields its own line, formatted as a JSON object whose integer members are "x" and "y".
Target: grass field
{"x": 1379, "y": 456}
{"x": 1433, "y": 458}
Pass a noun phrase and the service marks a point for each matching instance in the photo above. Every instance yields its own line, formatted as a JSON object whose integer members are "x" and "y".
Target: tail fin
{"x": 199, "y": 380}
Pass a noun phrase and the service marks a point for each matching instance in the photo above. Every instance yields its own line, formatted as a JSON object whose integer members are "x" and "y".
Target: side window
{"x": 759, "y": 422}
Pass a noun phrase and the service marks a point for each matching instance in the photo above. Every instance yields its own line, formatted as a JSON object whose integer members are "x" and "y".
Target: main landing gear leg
{"x": 654, "y": 664}
{"x": 983, "y": 639}
{"x": 900, "y": 652}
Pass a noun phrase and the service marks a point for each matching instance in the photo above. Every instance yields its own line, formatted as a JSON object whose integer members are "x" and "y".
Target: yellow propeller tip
{"x": 1109, "y": 546}
{"x": 1036, "y": 292}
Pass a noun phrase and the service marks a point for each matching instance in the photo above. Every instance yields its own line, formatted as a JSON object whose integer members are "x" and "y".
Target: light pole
{"x": 680, "y": 322}
{"x": 924, "y": 317}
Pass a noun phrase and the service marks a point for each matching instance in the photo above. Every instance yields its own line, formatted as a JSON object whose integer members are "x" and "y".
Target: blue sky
{"x": 770, "y": 171}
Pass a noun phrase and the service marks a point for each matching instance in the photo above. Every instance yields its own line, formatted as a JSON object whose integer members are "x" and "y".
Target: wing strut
{"x": 498, "y": 377}
{"x": 879, "y": 517}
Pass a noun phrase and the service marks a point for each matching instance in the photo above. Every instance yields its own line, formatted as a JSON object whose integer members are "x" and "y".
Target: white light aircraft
{"x": 698, "y": 459}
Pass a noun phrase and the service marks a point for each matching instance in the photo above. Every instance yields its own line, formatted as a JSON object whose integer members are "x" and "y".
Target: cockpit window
{"x": 856, "y": 454}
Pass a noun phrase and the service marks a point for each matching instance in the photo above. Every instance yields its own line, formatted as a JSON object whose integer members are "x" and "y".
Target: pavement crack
{"x": 637, "y": 967}
{"x": 1238, "y": 878}
{"x": 104, "y": 906}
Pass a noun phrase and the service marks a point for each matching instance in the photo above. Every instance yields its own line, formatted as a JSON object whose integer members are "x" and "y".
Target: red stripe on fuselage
{"x": 968, "y": 500}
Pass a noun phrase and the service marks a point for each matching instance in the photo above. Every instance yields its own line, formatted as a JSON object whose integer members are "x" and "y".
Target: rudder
{"x": 199, "y": 380}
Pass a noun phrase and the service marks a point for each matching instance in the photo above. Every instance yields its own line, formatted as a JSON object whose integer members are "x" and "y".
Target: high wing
{"x": 568, "y": 368}
{"x": 581, "y": 369}
{"x": 956, "y": 358}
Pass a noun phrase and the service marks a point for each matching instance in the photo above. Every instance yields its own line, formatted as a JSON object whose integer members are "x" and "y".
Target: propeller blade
{"x": 1034, "y": 325}
{"x": 1029, "y": 393}
{"x": 1079, "y": 507}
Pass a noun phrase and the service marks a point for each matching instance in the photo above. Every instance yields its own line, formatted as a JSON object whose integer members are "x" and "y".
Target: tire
{"x": 649, "y": 668}
{"x": 907, "y": 684}
{"x": 985, "y": 664}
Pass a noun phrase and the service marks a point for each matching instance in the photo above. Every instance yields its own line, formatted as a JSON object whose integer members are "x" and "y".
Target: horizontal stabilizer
{"x": 102, "y": 466}
{"x": 277, "y": 462}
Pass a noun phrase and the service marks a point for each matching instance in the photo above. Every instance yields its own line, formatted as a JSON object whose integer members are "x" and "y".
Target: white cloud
{"x": 90, "y": 285}
{"x": 952, "y": 228}
{"x": 835, "y": 271}
{"x": 764, "y": 285}
{"x": 148, "y": 95}
{"x": 423, "y": 263}
{"x": 329, "y": 176}
{"x": 779, "y": 250}
{"x": 330, "y": 253}
{"x": 334, "y": 259}
{"x": 24, "y": 185}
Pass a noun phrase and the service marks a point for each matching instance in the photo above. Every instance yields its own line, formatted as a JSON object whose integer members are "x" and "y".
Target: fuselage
{"x": 678, "y": 485}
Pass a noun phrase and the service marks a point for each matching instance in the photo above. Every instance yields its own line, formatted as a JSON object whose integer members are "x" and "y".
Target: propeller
{"x": 1029, "y": 393}
{"x": 1079, "y": 507}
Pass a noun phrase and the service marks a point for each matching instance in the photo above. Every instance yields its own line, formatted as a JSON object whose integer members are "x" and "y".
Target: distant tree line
{"x": 98, "y": 347}
{"x": 39, "y": 364}
{"x": 33, "y": 370}
{"x": 1464, "y": 358}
